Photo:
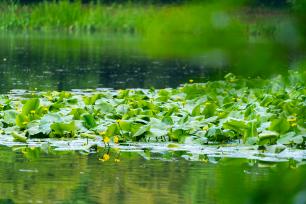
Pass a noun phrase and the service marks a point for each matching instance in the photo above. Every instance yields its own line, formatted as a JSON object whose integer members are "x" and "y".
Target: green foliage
{"x": 63, "y": 129}
{"x": 30, "y": 105}
{"x": 89, "y": 121}
{"x": 212, "y": 112}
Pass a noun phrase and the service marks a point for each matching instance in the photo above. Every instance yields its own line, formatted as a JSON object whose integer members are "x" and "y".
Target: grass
{"x": 74, "y": 17}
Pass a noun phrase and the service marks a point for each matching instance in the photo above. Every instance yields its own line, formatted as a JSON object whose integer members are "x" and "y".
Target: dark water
{"x": 29, "y": 61}
{"x": 77, "y": 178}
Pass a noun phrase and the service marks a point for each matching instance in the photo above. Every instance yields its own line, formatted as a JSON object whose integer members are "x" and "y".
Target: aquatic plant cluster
{"x": 252, "y": 111}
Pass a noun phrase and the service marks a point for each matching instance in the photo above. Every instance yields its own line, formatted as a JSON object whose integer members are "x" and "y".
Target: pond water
{"x": 52, "y": 62}
{"x": 65, "y": 62}
{"x": 77, "y": 178}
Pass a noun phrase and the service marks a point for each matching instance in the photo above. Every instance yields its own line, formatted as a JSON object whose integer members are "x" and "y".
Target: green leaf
{"x": 89, "y": 121}
{"x": 10, "y": 116}
{"x": 196, "y": 111}
{"x": 77, "y": 112}
{"x": 292, "y": 138}
{"x": 87, "y": 135}
{"x": 124, "y": 125}
{"x": 104, "y": 107}
{"x": 19, "y": 137}
{"x": 47, "y": 120}
{"x": 267, "y": 100}
{"x": 141, "y": 130}
{"x": 280, "y": 125}
{"x": 30, "y": 105}
{"x": 216, "y": 134}
{"x": 238, "y": 126}
{"x": 267, "y": 137}
{"x": 63, "y": 129}
{"x": 177, "y": 135}
{"x": 22, "y": 120}
{"x": 155, "y": 132}
{"x": 91, "y": 99}
{"x": 112, "y": 130}
{"x": 209, "y": 109}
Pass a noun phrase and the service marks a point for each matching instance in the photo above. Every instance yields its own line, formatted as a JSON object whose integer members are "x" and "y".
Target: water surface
{"x": 79, "y": 178}
{"x": 65, "y": 62}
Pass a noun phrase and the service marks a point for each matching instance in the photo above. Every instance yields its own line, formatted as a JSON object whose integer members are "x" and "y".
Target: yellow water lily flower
{"x": 106, "y": 139}
{"x": 116, "y": 139}
{"x": 105, "y": 157}
{"x": 190, "y": 80}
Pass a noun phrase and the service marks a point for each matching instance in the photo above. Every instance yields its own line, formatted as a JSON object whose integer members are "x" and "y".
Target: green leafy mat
{"x": 235, "y": 110}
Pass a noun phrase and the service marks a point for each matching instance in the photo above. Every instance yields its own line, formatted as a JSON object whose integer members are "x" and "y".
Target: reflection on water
{"x": 67, "y": 62}
{"x": 77, "y": 178}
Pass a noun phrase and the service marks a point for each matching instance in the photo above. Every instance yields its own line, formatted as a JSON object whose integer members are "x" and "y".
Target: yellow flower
{"x": 105, "y": 157}
{"x": 25, "y": 122}
{"x": 291, "y": 119}
{"x": 32, "y": 111}
{"x": 106, "y": 139}
{"x": 190, "y": 80}
{"x": 293, "y": 124}
{"x": 117, "y": 160}
{"x": 116, "y": 139}
{"x": 118, "y": 121}
{"x": 45, "y": 109}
